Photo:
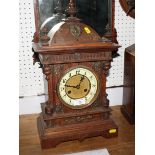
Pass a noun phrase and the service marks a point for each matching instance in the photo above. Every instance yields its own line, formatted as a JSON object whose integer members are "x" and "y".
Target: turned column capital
{"x": 47, "y": 71}
{"x": 106, "y": 67}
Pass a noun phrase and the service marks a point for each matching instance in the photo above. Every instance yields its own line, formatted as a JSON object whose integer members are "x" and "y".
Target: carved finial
{"x": 58, "y": 8}
{"x": 71, "y": 9}
{"x": 44, "y": 38}
{"x": 107, "y": 35}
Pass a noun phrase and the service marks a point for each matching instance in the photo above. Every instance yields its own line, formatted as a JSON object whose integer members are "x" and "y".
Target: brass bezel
{"x": 93, "y": 99}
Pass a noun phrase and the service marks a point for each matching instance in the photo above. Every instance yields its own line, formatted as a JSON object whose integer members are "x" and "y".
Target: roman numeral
{"x": 62, "y": 88}
{"x": 78, "y": 72}
{"x": 64, "y": 80}
{"x": 65, "y": 95}
{"x": 91, "y": 77}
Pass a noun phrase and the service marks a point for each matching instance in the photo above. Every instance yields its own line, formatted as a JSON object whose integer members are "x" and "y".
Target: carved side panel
{"x": 49, "y": 103}
{"x": 75, "y": 119}
{"x": 104, "y": 71}
{"x": 58, "y": 70}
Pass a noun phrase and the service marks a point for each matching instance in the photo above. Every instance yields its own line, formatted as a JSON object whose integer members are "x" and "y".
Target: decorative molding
{"x": 106, "y": 102}
{"x": 36, "y": 58}
{"x": 77, "y": 56}
{"x": 78, "y": 119}
{"x": 74, "y": 57}
{"x": 96, "y": 66}
{"x": 49, "y": 109}
{"x": 43, "y": 37}
{"x": 35, "y": 38}
{"x": 57, "y": 68}
{"x": 75, "y": 30}
{"x": 106, "y": 115}
{"x": 47, "y": 71}
{"x": 96, "y": 104}
{"x": 49, "y": 123}
{"x": 71, "y": 8}
{"x": 106, "y": 67}
{"x": 58, "y": 108}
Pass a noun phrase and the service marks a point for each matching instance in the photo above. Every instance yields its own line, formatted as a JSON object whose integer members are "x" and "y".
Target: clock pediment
{"x": 72, "y": 32}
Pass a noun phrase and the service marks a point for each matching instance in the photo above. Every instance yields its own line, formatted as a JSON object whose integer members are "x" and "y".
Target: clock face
{"x": 78, "y": 88}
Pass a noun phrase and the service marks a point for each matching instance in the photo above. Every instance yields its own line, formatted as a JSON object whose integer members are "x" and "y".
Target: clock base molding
{"x": 51, "y": 137}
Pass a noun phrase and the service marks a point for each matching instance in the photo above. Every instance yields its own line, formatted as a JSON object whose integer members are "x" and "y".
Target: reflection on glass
{"x": 51, "y": 21}
{"x": 92, "y": 12}
{"x": 50, "y": 13}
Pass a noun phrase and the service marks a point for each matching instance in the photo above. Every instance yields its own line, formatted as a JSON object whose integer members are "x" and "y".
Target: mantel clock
{"x": 75, "y": 59}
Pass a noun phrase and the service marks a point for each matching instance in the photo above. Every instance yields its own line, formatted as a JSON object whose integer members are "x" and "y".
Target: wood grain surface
{"x": 124, "y": 144}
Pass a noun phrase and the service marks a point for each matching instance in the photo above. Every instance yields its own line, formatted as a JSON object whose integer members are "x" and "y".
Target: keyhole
{"x": 69, "y": 92}
{"x": 85, "y": 90}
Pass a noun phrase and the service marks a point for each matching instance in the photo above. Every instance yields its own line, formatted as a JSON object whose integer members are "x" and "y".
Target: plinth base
{"x": 50, "y": 137}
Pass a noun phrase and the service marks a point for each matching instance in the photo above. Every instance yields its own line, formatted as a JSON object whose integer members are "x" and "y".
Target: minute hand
{"x": 71, "y": 86}
{"x": 82, "y": 78}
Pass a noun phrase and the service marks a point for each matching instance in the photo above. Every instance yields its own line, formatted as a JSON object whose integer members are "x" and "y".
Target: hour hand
{"x": 70, "y": 86}
{"x": 82, "y": 78}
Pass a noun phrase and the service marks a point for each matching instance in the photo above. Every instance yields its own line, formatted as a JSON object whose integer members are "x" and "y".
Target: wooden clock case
{"x": 58, "y": 123}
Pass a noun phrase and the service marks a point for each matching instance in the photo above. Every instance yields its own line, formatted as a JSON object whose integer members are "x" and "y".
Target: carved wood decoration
{"x": 98, "y": 8}
{"x": 74, "y": 45}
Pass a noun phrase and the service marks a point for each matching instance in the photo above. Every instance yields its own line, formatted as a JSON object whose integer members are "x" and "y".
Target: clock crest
{"x": 75, "y": 30}
{"x": 75, "y": 61}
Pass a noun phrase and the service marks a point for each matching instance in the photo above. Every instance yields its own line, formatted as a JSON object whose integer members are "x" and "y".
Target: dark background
{"x": 92, "y": 12}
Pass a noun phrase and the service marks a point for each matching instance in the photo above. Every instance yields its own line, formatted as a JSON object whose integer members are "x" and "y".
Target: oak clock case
{"x": 75, "y": 60}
